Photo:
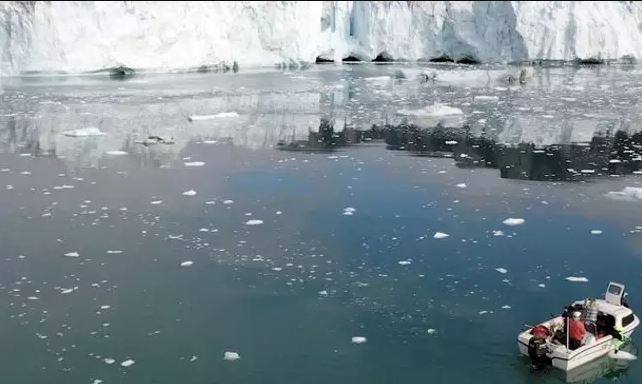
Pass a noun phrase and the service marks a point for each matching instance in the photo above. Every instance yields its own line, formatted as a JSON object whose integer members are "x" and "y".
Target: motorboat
{"x": 609, "y": 323}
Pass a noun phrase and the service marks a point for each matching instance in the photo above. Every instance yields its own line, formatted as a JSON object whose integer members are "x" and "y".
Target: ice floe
{"x": 404, "y": 262}
{"x": 84, "y": 132}
{"x": 461, "y": 185}
{"x": 440, "y": 235}
{"x": 191, "y": 192}
{"x": 187, "y": 263}
{"x": 72, "y": 254}
{"x": 511, "y": 221}
{"x": 596, "y": 231}
{"x": 127, "y": 363}
{"x": 501, "y": 270}
{"x": 359, "y": 339}
{"x": 195, "y": 164}
{"x": 230, "y": 356}
{"x": 221, "y": 115}
{"x": 577, "y": 279}
{"x": 254, "y": 222}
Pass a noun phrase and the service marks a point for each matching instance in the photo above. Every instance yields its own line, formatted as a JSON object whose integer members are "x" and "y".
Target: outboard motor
{"x": 537, "y": 352}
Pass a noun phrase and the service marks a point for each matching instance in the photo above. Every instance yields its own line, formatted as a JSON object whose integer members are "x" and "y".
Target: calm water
{"x": 289, "y": 293}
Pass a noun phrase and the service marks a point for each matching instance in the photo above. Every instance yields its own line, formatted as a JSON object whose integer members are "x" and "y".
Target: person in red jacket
{"x": 577, "y": 331}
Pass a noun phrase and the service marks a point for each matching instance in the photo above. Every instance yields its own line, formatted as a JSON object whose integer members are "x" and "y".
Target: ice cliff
{"x": 86, "y": 36}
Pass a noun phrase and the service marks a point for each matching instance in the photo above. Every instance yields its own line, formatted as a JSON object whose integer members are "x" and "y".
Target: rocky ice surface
{"x": 87, "y": 36}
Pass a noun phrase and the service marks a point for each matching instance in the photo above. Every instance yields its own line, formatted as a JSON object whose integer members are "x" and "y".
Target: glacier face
{"x": 86, "y": 36}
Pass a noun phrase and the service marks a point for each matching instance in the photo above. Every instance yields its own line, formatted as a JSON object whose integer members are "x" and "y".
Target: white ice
{"x": 359, "y": 339}
{"x": 194, "y": 164}
{"x": 230, "y": 356}
{"x": 72, "y": 254}
{"x": 576, "y": 279}
{"x": 221, "y": 115}
{"x": 191, "y": 192}
{"x": 513, "y": 221}
{"x": 187, "y": 263}
{"x": 254, "y": 222}
{"x": 596, "y": 231}
{"x": 84, "y": 132}
{"x": 501, "y": 270}
{"x": 116, "y": 153}
{"x": 440, "y": 235}
{"x": 127, "y": 363}
{"x": 627, "y": 194}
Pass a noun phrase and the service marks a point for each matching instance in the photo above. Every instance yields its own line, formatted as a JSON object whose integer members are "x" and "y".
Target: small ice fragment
{"x": 359, "y": 339}
{"x": 596, "y": 231}
{"x": 230, "y": 356}
{"x": 9, "y": 186}
{"x": 221, "y": 115}
{"x": 187, "y": 263}
{"x": 577, "y": 279}
{"x": 430, "y": 331}
{"x": 506, "y": 307}
{"x": 191, "y": 192}
{"x": 501, "y": 270}
{"x": 461, "y": 185}
{"x": 227, "y": 202}
{"x": 72, "y": 254}
{"x": 483, "y": 312}
{"x": 105, "y": 306}
{"x": 195, "y": 164}
{"x": 109, "y": 360}
{"x": 279, "y": 212}
{"x": 404, "y": 262}
{"x": 486, "y": 99}
{"x": 440, "y": 235}
{"x": 347, "y": 213}
{"x": 254, "y": 222}
{"x": 116, "y": 153}
{"x": 193, "y": 359}
{"x": 349, "y": 209}
{"x": 96, "y": 381}
{"x": 127, "y": 363}
{"x": 157, "y": 202}
{"x": 451, "y": 142}
{"x": 513, "y": 221}
{"x": 541, "y": 285}
{"x": 203, "y": 230}
{"x": 84, "y": 132}
{"x": 114, "y": 252}
{"x": 498, "y": 233}
{"x": 323, "y": 293}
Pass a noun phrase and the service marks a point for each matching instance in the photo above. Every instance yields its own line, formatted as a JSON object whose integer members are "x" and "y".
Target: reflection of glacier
{"x": 263, "y": 120}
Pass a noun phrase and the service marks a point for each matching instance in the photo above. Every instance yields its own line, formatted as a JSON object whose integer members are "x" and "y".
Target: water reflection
{"x": 603, "y": 155}
{"x": 602, "y": 368}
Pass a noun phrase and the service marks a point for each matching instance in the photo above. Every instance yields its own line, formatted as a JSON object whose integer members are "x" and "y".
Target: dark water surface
{"x": 301, "y": 150}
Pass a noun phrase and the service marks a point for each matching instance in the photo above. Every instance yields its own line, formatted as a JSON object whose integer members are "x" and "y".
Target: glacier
{"x": 75, "y": 37}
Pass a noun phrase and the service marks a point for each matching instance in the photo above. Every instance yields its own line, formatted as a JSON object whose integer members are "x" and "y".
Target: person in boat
{"x": 577, "y": 331}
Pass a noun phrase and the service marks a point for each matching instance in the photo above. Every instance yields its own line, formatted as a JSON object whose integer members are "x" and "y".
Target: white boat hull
{"x": 567, "y": 360}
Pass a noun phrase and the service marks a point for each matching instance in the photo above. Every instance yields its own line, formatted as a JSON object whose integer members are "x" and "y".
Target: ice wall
{"x": 86, "y": 36}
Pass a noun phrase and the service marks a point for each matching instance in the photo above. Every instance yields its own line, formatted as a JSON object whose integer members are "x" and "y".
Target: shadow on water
{"x": 604, "y": 155}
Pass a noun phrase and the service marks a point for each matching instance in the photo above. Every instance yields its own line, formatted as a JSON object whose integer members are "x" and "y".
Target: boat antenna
{"x": 568, "y": 328}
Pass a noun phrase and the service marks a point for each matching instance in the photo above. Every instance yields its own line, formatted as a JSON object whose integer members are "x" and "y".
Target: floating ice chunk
{"x": 432, "y": 115}
{"x": 461, "y": 185}
{"x": 230, "y": 356}
{"x": 628, "y": 194}
{"x": 32, "y": 298}
{"x": 485, "y": 99}
{"x": 254, "y": 222}
{"x": 323, "y": 293}
{"x": 64, "y": 291}
{"x": 204, "y": 230}
{"x": 622, "y": 355}
{"x": 596, "y": 231}
{"x": 127, "y": 363}
{"x": 348, "y": 213}
{"x": 193, "y": 358}
{"x": 440, "y": 235}
{"x": 187, "y": 263}
{"x": 511, "y": 221}
{"x": 109, "y": 360}
{"x": 430, "y": 331}
{"x": 279, "y": 212}
{"x": 576, "y": 279}
{"x": 483, "y": 312}
{"x": 195, "y": 164}
{"x": 451, "y": 142}
{"x": 349, "y": 209}
{"x": 541, "y": 285}
{"x": 116, "y": 153}
{"x": 156, "y": 202}
{"x": 404, "y": 262}
{"x": 9, "y": 186}
{"x": 96, "y": 381}
{"x": 588, "y": 171}
{"x": 221, "y": 115}
{"x": 506, "y": 307}
{"x": 228, "y": 202}
{"x": 359, "y": 339}
{"x": 498, "y": 233}
{"x": 84, "y": 132}
{"x": 501, "y": 270}
{"x": 615, "y": 161}
{"x": 191, "y": 192}
{"x": 72, "y": 254}
{"x": 114, "y": 252}
{"x": 105, "y": 306}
